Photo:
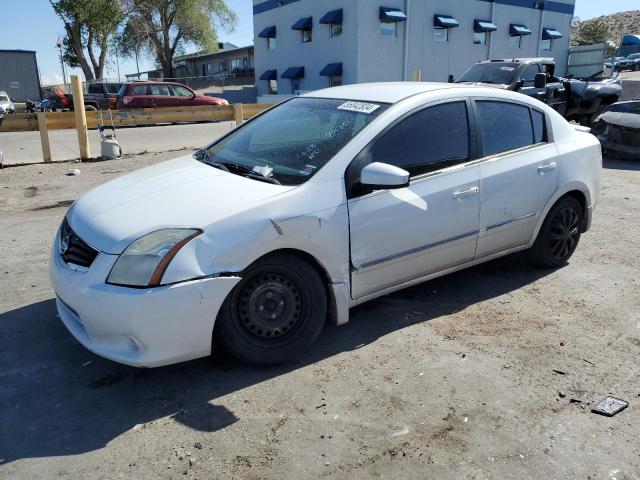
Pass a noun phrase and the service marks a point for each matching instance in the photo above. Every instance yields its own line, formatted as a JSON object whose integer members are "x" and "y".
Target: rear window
{"x": 504, "y": 126}
{"x": 112, "y": 87}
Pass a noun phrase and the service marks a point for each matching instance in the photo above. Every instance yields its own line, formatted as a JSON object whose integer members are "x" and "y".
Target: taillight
{"x": 126, "y": 99}
{"x": 112, "y": 102}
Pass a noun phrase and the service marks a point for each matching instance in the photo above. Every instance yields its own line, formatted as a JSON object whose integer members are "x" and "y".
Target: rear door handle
{"x": 546, "y": 167}
{"x": 465, "y": 193}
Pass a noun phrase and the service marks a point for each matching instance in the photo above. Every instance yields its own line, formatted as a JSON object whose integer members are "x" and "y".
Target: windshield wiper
{"x": 247, "y": 172}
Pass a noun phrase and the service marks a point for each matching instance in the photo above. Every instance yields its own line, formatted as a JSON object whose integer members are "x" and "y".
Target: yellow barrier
{"x": 19, "y": 122}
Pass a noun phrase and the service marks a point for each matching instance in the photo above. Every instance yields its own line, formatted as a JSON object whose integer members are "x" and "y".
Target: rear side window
{"x": 431, "y": 139}
{"x": 160, "y": 90}
{"x": 504, "y": 126}
{"x": 539, "y": 129}
{"x": 140, "y": 90}
{"x": 94, "y": 88}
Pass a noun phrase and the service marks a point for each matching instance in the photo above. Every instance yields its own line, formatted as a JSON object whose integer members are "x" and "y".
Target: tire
{"x": 90, "y": 108}
{"x": 275, "y": 313}
{"x": 559, "y": 235}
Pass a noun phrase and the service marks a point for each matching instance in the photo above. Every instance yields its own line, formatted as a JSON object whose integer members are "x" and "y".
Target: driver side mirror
{"x": 540, "y": 81}
{"x": 380, "y": 176}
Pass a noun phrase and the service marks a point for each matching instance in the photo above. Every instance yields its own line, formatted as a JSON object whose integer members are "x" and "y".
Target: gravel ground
{"x": 486, "y": 373}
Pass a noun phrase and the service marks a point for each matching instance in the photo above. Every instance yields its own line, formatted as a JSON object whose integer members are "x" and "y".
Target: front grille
{"x": 73, "y": 249}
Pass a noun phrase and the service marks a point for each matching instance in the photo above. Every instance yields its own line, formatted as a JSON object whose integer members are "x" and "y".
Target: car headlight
{"x": 144, "y": 262}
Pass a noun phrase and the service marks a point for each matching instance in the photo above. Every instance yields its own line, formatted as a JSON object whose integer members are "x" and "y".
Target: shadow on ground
{"x": 52, "y": 404}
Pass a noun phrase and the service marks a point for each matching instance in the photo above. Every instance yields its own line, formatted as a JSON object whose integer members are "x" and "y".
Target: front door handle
{"x": 542, "y": 169}
{"x": 465, "y": 193}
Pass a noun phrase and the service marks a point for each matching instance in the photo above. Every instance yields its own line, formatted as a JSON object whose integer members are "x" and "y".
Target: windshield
{"x": 498, "y": 73}
{"x": 4, "y": 98}
{"x": 293, "y": 141}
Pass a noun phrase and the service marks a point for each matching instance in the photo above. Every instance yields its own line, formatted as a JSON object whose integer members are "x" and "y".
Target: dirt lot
{"x": 487, "y": 373}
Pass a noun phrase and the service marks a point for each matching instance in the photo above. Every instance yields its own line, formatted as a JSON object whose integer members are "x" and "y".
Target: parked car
{"x": 320, "y": 203}
{"x": 574, "y": 99}
{"x": 101, "y": 95}
{"x": 635, "y": 58}
{"x": 622, "y": 63}
{"x": 6, "y": 104}
{"x": 618, "y": 130}
{"x": 162, "y": 94}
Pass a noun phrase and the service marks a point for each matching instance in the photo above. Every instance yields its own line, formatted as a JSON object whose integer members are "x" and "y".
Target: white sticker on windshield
{"x": 359, "y": 107}
{"x": 507, "y": 69}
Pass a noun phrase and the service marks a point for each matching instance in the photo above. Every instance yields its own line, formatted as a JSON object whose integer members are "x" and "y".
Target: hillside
{"x": 619, "y": 24}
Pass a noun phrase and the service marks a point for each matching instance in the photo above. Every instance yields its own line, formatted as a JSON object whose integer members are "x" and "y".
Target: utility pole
{"x": 59, "y": 46}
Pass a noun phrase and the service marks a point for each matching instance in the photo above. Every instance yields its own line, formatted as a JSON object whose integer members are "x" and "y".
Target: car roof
{"x": 547, "y": 60}
{"x": 383, "y": 92}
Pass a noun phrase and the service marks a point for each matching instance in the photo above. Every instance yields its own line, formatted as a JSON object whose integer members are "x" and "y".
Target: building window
{"x": 335, "y": 81}
{"x": 336, "y": 30}
{"x": 545, "y": 45}
{"x": 441, "y": 34}
{"x": 306, "y": 36}
{"x": 480, "y": 38}
{"x": 273, "y": 87}
{"x": 515, "y": 41}
{"x": 388, "y": 29}
{"x": 271, "y": 43}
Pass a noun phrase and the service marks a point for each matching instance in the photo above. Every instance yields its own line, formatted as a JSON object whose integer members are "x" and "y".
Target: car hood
{"x": 182, "y": 193}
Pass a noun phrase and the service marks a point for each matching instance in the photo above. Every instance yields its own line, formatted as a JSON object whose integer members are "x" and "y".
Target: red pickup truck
{"x": 162, "y": 94}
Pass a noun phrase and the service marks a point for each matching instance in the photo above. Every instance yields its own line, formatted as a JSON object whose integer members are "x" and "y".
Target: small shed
{"x": 19, "y": 75}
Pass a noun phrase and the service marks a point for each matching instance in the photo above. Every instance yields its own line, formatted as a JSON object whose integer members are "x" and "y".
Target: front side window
{"x": 429, "y": 140}
{"x": 480, "y": 38}
{"x": 388, "y": 29}
{"x": 336, "y": 29}
{"x": 515, "y": 41}
{"x": 306, "y": 36}
{"x": 545, "y": 45}
{"x": 181, "y": 91}
{"x": 291, "y": 142}
{"x": 529, "y": 74}
{"x": 504, "y": 126}
{"x": 441, "y": 34}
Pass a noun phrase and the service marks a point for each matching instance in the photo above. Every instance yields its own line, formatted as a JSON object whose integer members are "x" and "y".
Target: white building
{"x": 303, "y": 45}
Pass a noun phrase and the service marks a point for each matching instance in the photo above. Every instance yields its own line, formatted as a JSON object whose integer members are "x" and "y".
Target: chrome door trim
{"x": 507, "y": 222}
{"x": 412, "y": 251}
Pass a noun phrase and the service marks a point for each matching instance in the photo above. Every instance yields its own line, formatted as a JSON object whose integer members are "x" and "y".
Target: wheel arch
{"x": 577, "y": 191}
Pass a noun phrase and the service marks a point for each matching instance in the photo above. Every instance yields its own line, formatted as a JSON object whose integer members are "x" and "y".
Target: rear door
{"x": 518, "y": 173}
{"x": 403, "y": 234}
{"x": 159, "y": 96}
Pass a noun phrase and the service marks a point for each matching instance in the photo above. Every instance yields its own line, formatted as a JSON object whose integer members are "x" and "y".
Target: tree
{"x": 89, "y": 26}
{"x": 592, "y": 32}
{"x": 163, "y": 27}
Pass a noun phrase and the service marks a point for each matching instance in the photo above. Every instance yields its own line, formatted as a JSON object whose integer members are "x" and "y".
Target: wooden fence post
{"x": 44, "y": 136}
{"x": 238, "y": 114}
{"x": 81, "y": 117}
{"x": 417, "y": 75}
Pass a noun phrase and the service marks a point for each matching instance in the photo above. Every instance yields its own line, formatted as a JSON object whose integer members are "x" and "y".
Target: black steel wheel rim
{"x": 564, "y": 233}
{"x": 269, "y": 306}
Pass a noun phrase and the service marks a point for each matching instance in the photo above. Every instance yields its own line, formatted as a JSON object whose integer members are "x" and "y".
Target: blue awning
{"x": 293, "y": 73}
{"x": 332, "y": 70}
{"x": 518, "y": 30}
{"x": 483, "y": 26}
{"x": 445, "y": 21}
{"x": 389, "y": 14}
{"x": 334, "y": 16}
{"x": 550, "y": 34}
{"x": 303, "y": 24}
{"x": 269, "y": 32}
{"x": 269, "y": 75}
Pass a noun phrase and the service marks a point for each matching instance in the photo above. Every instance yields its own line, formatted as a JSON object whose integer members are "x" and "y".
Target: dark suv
{"x": 162, "y": 94}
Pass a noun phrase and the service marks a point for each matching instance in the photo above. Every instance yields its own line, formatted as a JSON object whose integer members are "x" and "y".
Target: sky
{"x": 32, "y": 25}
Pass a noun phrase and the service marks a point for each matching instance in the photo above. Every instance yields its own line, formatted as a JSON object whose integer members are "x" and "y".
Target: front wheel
{"x": 275, "y": 313}
{"x": 559, "y": 234}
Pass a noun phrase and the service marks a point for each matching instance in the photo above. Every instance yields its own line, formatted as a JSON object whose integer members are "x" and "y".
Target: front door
{"x": 518, "y": 177}
{"x": 400, "y": 235}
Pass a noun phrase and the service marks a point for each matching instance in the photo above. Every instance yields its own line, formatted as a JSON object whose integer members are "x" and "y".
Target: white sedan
{"x": 321, "y": 203}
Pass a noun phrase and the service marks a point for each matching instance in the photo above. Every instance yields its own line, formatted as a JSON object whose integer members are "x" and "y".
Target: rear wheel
{"x": 275, "y": 313}
{"x": 559, "y": 235}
